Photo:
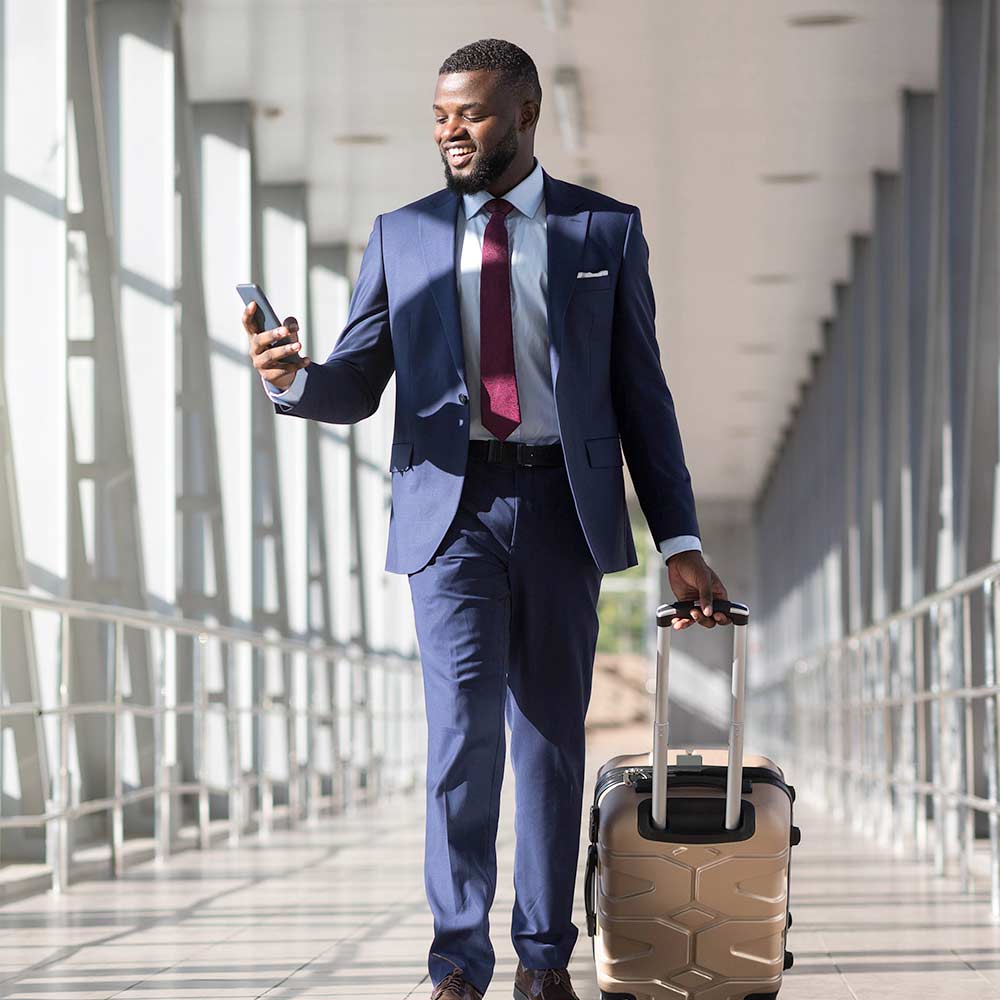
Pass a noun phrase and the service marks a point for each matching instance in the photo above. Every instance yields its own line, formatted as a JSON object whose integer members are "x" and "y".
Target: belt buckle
{"x": 524, "y": 454}
{"x": 495, "y": 452}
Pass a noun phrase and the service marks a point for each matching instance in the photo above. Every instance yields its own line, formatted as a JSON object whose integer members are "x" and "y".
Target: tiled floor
{"x": 338, "y": 910}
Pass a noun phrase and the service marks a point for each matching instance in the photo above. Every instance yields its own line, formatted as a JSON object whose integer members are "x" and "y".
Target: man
{"x": 517, "y": 313}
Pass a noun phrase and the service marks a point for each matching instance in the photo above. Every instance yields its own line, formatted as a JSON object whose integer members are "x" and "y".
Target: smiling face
{"x": 484, "y": 130}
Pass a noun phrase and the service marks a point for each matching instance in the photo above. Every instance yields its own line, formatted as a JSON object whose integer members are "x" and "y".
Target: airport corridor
{"x": 338, "y": 910}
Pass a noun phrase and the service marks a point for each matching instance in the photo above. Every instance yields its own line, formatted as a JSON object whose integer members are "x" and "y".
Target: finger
{"x": 267, "y": 337}
{"x": 249, "y": 319}
{"x": 705, "y": 593}
{"x": 281, "y": 354}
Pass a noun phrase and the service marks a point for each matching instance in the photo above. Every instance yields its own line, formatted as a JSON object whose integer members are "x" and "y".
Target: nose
{"x": 452, "y": 129}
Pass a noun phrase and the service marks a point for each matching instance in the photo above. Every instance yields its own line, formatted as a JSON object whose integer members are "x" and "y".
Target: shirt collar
{"x": 525, "y": 197}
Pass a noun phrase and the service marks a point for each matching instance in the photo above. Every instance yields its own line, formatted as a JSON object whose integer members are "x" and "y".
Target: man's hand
{"x": 692, "y": 579}
{"x": 268, "y": 360}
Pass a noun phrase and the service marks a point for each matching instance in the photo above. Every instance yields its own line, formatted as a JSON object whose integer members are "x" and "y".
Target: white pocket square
{"x": 591, "y": 274}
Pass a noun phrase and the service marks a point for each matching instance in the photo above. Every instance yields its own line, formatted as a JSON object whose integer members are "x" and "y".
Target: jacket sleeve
{"x": 348, "y": 386}
{"x": 651, "y": 439}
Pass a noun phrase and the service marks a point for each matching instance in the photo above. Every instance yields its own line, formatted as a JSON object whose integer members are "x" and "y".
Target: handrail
{"x": 141, "y": 618}
{"x": 882, "y": 724}
{"x": 306, "y": 774}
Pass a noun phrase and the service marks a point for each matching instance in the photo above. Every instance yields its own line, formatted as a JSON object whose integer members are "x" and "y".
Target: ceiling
{"x": 747, "y": 140}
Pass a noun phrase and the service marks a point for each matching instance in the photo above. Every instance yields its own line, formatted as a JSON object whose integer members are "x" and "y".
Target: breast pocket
{"x": 593, "y": 282}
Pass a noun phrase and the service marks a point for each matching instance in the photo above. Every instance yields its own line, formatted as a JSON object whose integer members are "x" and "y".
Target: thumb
{"x": 705, "y": 592}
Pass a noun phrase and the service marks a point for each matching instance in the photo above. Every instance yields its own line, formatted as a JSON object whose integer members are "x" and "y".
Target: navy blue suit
{"x": 606, "y": 373}
{"x": 505, "y": 562}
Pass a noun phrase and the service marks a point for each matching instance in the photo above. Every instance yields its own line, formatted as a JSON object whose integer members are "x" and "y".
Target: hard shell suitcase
{"x": 687, "y": 870}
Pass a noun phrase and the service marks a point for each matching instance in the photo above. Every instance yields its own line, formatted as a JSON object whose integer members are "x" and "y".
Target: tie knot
{"x": 497, "y": 206}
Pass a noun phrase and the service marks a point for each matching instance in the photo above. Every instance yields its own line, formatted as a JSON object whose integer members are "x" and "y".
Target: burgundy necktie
{"x": 499, "y": 407}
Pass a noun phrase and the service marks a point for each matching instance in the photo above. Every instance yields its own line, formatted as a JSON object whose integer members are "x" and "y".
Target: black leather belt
{"x": 516, "y": 453}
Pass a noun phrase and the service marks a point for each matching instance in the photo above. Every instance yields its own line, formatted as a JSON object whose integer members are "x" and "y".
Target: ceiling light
{"x": 555, "y": 13}
{"x": 359, "y": 139}
{"x": 569, "y": 107}
{"x": 802, "y": 178}
{"x": 821, "y": 20}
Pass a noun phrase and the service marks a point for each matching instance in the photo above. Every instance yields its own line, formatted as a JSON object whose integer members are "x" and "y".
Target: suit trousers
{"x": 506, "y": 622}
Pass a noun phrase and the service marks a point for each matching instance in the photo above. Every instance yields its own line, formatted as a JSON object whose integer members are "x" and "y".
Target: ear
{"x": 530, "y": 111}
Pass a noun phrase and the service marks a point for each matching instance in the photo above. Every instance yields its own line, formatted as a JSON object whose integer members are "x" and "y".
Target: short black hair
{"x": 515, "y": 66}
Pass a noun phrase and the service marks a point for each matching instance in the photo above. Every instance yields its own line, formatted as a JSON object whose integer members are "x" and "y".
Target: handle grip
{"x": 666, "y": 614}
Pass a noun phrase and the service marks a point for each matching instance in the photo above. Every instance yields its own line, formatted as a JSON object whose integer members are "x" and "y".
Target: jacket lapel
{"x": 437, "y": 241}
{"x": 566, "y": 231}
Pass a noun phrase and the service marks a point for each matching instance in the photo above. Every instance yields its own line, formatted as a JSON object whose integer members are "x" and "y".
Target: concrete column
{"x": 137, "y": 78}
{"x": 33, "y": 413}
{"x": 222, "y": 142}
{"x": 284, "y": 246}
{"x": 329, "y": 297}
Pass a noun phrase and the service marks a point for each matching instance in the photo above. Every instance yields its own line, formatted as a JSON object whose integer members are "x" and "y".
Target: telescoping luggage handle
{"x": 666, "y": 615}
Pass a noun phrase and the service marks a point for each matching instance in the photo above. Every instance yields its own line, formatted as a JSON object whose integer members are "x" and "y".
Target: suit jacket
{"x": 609, "y": 388}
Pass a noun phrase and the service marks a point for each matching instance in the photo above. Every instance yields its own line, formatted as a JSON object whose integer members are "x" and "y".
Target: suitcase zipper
{"x": 631, "y": 775}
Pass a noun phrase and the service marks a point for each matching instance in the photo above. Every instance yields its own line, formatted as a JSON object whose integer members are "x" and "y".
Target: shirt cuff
{"x": 679, "y": 543}
{"x": 287, "y": 398}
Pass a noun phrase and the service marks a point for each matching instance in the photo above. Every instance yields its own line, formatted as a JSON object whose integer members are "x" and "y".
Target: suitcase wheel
{"x": 761, "y": 996}
{"x": 789, "y": 923}
{"x": 789, "y": 960}
{"x": 617, "y": 996}
{"x": 796, "y": 837}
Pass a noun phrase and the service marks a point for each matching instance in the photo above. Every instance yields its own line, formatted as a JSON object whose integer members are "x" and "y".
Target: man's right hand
{"x": 271, "y": 362}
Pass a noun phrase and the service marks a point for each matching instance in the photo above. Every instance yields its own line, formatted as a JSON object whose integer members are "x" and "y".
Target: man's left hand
{"x": 692, "y": 579}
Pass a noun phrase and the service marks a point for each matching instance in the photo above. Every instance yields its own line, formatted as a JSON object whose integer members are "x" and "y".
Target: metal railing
{"x": 318, "y": 776}
{"x": 894, "y": 729}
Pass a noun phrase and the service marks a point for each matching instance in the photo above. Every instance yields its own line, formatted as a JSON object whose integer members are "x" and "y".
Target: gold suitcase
{"x": 687, "y": 870}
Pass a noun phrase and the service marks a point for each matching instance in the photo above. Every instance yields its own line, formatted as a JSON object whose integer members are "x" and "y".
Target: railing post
{"x": 117, "y": 809}
{"x": 923, "y": 708}
{"x": 162, "y": 809}
{"x": 313, "y": 781}
{"x": 967, "y": 774}
{"x": 991, "y": 762}
{"x": 199, "y": 732}
{"x": 936, "y": 740}
{"x": 57, "y": 845}
{"x": 234, "y": 791}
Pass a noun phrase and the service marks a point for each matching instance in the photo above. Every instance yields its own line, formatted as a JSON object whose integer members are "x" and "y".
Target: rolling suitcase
{"x": 687, "y": 871}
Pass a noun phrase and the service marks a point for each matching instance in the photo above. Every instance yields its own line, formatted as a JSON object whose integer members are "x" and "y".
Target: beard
{"x": 486, "y": 168}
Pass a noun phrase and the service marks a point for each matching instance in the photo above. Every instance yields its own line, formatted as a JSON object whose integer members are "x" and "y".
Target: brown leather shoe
{"x": 454, "y": 986}
{"x": 542, "y": 984}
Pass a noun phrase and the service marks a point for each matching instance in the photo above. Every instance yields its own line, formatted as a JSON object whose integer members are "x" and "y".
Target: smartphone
{"x": 266, "y": 317}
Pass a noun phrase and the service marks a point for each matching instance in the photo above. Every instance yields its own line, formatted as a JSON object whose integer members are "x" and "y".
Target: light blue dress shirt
{"x": 528, "y": 245}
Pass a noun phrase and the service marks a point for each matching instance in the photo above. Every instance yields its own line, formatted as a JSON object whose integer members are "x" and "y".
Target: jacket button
{"x": 463, "y": 399}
